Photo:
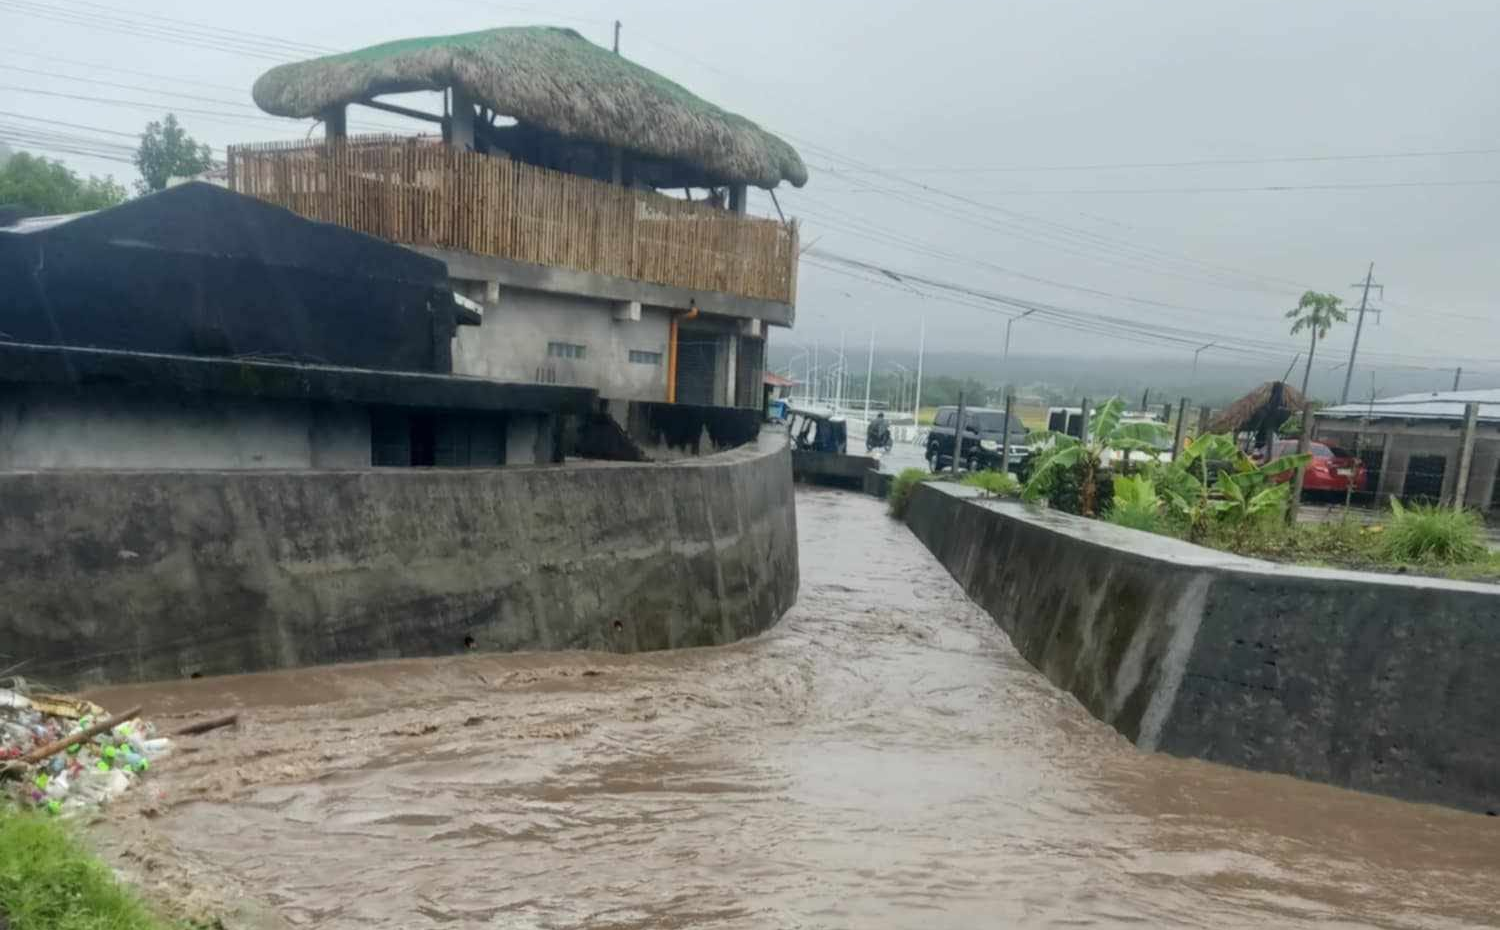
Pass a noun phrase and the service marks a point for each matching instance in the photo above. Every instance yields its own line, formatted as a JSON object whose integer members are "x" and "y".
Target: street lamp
{"x": 1008, "y": 324}
{"x": 1196, "y": 352}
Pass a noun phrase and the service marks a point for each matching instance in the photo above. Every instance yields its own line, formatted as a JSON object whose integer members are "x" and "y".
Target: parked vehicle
{"x": 1332, "y": 469}
{"x": 817, "y": 431}
{"x": 984, "y": 432}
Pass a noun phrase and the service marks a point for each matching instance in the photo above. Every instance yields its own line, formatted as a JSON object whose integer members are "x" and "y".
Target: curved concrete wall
{"x": 1378, "y": 682}
{"x": 129, "y": 576}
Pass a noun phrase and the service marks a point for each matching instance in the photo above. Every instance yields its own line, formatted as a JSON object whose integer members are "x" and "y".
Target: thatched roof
{"x": 550, "y": 77}
{"x": 1259, "y": 409}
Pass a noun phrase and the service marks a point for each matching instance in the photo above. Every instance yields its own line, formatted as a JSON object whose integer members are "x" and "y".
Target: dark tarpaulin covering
{"x": 199, "y": 270}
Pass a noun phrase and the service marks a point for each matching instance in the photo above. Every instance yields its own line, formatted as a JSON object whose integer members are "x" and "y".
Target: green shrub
{"x": 1136, "y": 505}
{"x": 1427, "y": 534}
{"x": 47, "y": 880}
{"x": 901, "y": 487}
{"x": 992, "y": 483}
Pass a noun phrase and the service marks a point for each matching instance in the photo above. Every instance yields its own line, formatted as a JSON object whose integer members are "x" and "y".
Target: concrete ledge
{"x": 135, "y": 576}
{"x": 230, "y": 377}
{"x": 554, "y": 280}
{"x": 1382, "y": 683}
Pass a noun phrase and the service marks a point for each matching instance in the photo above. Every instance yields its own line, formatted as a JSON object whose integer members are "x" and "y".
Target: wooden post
{"x": 958, "y": 433}
{"x": 1010, "y": 406}
{"x": 1465, "y": 455}
{"x": 1203, "y": 415}
{"x": 1304, "y": 442}
{"x": 1181, "y": 429}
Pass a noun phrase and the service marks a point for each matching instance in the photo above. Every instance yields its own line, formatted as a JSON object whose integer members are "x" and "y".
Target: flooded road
{"x": 881, "y": 759}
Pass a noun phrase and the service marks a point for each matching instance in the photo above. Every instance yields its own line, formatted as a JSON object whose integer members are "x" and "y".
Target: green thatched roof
{"x": 550, "y": 77}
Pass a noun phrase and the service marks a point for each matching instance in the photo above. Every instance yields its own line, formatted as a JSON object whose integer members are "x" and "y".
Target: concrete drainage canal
{"x": 883, "y": 757}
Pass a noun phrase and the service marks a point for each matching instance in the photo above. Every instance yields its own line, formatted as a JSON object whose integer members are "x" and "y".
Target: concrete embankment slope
{"x": 133, "y": 576}
{"x": 1381, "y": 683}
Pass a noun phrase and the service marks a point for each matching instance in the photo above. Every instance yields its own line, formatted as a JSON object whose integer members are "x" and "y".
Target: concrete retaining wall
{"x": 1380, "y": 683}
{"x": 118, "y": 576}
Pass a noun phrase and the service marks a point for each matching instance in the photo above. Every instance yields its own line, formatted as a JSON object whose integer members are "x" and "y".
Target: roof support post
{"x": 462, "y": 135}
{"x": 738, "y": 198}
{"x": 335, "y": 122}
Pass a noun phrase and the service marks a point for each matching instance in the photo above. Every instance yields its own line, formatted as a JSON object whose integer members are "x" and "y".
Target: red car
{"x": 1331, "y": 468}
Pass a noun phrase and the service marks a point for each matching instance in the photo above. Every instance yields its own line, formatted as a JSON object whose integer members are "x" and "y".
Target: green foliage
{"x": 167, "y": 152}
{"x": 45, "y": 186}
{"x": 901, "y": 487}
{"x": 1427, "y": 534}
{"x": 992, "y": 483}
{"x": 1136, "y": 505}
{"x": 1061, "y": 455}
{"x": 48, "y": 882}
{"x": 1212, "y": 481}
{"x": 1317, "y": 312}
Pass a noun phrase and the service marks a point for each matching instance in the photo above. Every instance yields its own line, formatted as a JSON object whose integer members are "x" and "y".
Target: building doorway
{"x": 697, "y": 363}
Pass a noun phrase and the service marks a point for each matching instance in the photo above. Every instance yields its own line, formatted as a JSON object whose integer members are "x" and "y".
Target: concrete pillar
{"x": 335, "y": 122}
{"x": 731, "y": 371}
{"x": 462, "y": 134}
{"x": 1304, "y": 443}
{"x": 1465, "y": 455}
{"x": 738, "y": 198}
{"x": 1383, "y": 489}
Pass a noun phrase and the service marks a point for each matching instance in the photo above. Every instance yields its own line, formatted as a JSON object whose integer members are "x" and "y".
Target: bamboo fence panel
{"x": 421, "y": 192}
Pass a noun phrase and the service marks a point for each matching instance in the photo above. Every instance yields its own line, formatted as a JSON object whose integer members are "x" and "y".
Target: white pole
{"x": 816, "y": 368}
{"x": 838, "y": 402}
{"x": 869, "y": 375}
{"x": 916, "y": 407}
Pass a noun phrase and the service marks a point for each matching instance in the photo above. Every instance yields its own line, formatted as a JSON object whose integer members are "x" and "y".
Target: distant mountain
{"x": 1217, "y": 382}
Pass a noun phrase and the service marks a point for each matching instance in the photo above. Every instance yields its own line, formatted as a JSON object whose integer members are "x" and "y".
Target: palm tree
{"x": 1317, "y": 313}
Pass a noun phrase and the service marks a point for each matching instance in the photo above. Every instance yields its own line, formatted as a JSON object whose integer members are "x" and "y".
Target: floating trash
{"x": 66, "y": 755}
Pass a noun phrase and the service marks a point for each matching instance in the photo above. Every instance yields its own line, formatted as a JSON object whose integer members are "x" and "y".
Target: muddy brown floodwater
{"x": 882, "y": 759}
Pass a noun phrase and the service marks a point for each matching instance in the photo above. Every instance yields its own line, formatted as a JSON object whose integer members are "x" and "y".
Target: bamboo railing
{"x": 421, "y": 192}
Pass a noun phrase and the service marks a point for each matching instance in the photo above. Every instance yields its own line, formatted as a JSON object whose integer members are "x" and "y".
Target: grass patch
{"x": 1426, "y": 534}
{"x": 49, "y": 882}
{"x": 993, "y": 483}
{"x": 901, "y": 487}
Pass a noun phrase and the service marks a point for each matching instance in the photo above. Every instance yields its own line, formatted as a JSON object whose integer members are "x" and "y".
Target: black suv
{"x": 984, "y": 429}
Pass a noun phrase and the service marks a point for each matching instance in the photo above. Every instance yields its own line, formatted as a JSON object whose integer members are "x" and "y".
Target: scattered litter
{"x": 66, "y": 755}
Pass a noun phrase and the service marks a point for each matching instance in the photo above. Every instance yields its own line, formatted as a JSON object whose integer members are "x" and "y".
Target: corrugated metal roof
{"x": 1438, "y": 405}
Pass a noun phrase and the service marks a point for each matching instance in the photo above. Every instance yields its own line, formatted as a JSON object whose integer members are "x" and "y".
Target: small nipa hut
{"x": 548, "y": 96}
{"x": 1259, "y": 414}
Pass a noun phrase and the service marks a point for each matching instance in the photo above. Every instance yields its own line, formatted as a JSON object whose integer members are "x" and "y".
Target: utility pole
{"x": 916, "y": 411}
{"x": 1010, "y": 405}
{"x": 1465, "y": 455}
{"x": 617, "y": 37}
{"x": 1005, "y": 357}
{"x": 1458, "y": 374}
{"x": 1359, "y": 326}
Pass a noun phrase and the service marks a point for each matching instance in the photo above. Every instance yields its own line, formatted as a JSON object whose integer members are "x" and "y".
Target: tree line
{"x": 35, "y": 185}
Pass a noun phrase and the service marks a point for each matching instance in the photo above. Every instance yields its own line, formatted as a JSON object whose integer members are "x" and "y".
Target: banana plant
{"x": 1241, "y": 493}
{"x": 1061, "y": 452}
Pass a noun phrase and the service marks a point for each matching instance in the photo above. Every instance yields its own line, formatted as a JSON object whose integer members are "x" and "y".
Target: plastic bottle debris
{"x": 86, "y": 775}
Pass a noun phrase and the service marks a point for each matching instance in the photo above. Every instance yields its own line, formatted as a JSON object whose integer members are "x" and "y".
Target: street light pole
{"x": 1196, "y": 352}
{"x": 1008, "y": 324}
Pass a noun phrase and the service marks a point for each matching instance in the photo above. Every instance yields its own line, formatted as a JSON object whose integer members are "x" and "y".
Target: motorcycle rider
{"x": 879, "y": 433}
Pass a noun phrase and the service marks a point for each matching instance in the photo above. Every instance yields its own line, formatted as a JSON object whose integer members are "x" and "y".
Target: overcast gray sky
{"x": 927, "y": 128}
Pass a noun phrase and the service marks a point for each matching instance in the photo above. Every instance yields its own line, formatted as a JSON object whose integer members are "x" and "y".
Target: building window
{"x": 566, "y": 350}
{"x": 645, "y": 358}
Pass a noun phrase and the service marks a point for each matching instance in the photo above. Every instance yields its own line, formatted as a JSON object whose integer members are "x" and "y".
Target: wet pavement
{"x": 881, "y": 759}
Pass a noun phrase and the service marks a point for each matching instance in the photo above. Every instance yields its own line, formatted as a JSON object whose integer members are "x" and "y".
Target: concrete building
{"x": 197, "y": 328}
{"x": 543, "y": 195}
{"x": 1411, "y": 444}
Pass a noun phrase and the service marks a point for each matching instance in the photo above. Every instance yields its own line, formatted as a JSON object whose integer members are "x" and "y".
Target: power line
{"x": 1198, "y": 163}
{"x": 177, "y": 31}
{"x": 94, "y": 65}
{"x": 1263, "y": 189}
{"x": 244, "y": 104}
